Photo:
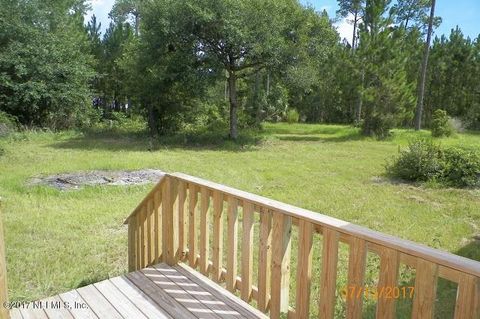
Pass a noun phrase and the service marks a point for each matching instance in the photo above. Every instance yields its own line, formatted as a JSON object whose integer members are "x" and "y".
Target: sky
{"x": 464, "y": 13}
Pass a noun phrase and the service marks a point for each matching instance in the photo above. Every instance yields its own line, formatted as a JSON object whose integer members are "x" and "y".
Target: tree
{"x": 387, "y": 94}
{"x": 123, "y": 8}
{"x": 45, "y": 71}
{"x": 354, "y": 8}
{"x": 423, "y": 71}
{"x": 226, "y": 39}
{"x": 411, "y": 11}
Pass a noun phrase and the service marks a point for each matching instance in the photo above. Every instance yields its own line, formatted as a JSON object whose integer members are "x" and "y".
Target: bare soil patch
{"x": 78, "y": 180}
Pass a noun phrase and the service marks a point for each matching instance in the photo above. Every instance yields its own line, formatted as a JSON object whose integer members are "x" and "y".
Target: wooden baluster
{"x": 132, "y": 247}
{"x": 192, "y": 230}
{"x": 328, "y": 280}
{"x": 281, "y": 249}
{"x": 425, "y": 289}
{"x": 157, "y": 225}
{"x": 232, "y": 242}
{"x": 204, "y": 230}
{"x": 170, "y": 221}
{"x": 304, "y": 269}
{"x": 4, "y": 311}
{"x": 468, "y": 294}
{"x": 182, "y": 220}
{"x": 138, "y": 241}
{"x": 356, "y": 277}
{"x": 144, "y": 236}
{"x": 264, "y": 260}
{"x": 247, "y": 251}
{"x": 389, "y": 265}
{"x": 150, "y": 235}
{"x": 217, "y": 235}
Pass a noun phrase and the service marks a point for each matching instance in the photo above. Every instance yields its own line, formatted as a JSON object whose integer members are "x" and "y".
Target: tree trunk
{"x": 137, "y": 23}
{"x": 152, "y": 121}
{"x": 232, "y": 89}
{"x": 355, "y": 21}
{"x": 423, "y": 73}
{"x": 359, "y": 105}
{"x": 268, "y": 83}
{"x": 258, "y": 104}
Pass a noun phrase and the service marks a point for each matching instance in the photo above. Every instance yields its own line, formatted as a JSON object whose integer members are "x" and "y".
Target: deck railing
{"x": 183, "y": 219}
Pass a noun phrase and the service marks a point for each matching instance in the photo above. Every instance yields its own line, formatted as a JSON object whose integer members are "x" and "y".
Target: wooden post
{"x": 265, "y": 260}
{"x": 304, "y": 269}
{"x": 132, "y": 251}
{"x": 170, "y": 221}
{"x": 4, "y": 313}
{"x": 232, "y": 243}
{"x": 281, "y": 249}
{"x": 329, "y": 274}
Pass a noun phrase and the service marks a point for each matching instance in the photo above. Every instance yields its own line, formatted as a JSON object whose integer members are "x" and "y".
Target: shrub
{"x": 8, "y": 123}
{"x": 420, "y": 161}
{"x": 378, "y": 126}
{"x": 441, "y": 124}
{"x": 462, "y": 167}
{"x": 424, "y": 161}
{"x": 292, "y": 116}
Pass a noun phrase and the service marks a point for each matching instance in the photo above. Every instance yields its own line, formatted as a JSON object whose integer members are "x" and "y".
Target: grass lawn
{"x": 57, "y": 241}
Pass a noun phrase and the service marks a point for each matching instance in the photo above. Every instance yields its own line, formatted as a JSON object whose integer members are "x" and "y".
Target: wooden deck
{"x": 157, "y": 292}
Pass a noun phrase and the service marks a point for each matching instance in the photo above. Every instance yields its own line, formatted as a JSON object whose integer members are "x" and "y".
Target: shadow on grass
{"x": 140, "y": 141}
{"x": 306, "y": 129}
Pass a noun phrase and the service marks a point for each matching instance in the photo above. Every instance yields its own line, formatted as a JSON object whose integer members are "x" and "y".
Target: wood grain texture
{"x": 425, "y": 289}
{"x": 204, "y": 230}
{"x": 143, "y": 237}
{"x": 389, "y": 266}
{"x": 132, "y": 248}
{"x": 170, "y": 221}
{"x": 192, "y": 225}
{"x": 468, "y": 296}
{"x": 281, "y": 250}
{"x": 157, "y": 225}
{"x": 304, "y": 269}
{"x": 328, "y": 280}
{"x": 219, "y": 292}
{"x": 356, "y": 276}
{"x": 98, "y": 303}
{"x": 247, "y": 251}
{"x": 150, "y": 233}
{"x": 232, "y": 243}
{"x": 139, "y": 298}
{"x": 264, "y": 260}
{"x": 217, "y": 247}
{"x": 182, "y": 220}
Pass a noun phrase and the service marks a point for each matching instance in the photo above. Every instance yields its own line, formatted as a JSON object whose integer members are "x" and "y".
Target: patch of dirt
{"x": 80, "y": 179}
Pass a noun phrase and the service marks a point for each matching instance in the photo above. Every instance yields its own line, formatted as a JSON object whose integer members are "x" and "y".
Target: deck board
{"x": 158, "y": 292}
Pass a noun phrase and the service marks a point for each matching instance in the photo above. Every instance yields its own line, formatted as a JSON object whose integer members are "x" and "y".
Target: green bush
{"x": 424, "y": 161}
{"x": 8, "y": 123}
{"x": 378, "y": 126}
{"x": 292, "y": 116}
{"x": 420, "y": 161}
{"x": 441, "y": 125}
{"x": 462, "y": 167}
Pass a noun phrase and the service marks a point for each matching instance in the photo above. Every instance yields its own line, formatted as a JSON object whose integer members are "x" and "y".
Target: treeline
{"x": 232, "y": 63}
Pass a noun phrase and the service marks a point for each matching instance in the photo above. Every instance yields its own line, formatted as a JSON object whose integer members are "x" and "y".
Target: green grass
{"x": 57, "y": 240}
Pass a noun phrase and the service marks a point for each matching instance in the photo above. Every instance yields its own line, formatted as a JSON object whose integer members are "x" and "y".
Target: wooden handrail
{"x": 183, "y": 215}
{"x": 408, "y": 247}
{"x": 4, "y": 312}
